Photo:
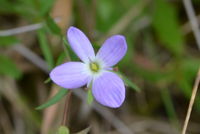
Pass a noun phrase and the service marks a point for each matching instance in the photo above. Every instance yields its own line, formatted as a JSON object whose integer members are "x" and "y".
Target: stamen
{"x": 94, "y": 67}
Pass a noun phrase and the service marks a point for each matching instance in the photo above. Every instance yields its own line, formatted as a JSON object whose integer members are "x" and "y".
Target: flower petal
{"x": 109, "y": 90}
{"x": 113, "y": 50}
{"x": 80, "y": 44}
{"x": 70, "y": 75}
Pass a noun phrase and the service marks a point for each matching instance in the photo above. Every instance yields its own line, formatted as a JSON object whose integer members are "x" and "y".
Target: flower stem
{"x": 66, "y": 109}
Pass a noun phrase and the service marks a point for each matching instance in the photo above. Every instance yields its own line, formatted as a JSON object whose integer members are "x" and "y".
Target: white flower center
{"x": 94, "y": 68}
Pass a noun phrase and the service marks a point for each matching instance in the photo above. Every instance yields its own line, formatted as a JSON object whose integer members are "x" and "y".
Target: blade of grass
{"x": 167, "y": 100}
{"x": 9, "y": 68}
{"x": 8, "y": 41}
{"x": 44, "y": 45}
{"x": 53, "y": 26}
{"x": 45, "y": 6}
{"x": 129, "y": 82}
{"x": 54, "y": 99}
{"x": 47, "y": 80}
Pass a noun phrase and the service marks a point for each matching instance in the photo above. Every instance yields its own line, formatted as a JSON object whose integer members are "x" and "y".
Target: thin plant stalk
{"x": 192, "y": 99}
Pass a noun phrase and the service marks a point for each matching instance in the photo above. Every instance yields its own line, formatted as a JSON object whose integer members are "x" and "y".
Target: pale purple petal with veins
{"x": 109, "y": 90}
{"x": 107, "y": 87}
{"x": 113, "y": 50}
{"x": 80, "y": 44}
{"x": 70, "y": 75}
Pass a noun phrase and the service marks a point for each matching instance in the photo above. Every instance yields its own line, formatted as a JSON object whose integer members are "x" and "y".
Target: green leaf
{"x": 108, "y": 14}
{"x": 44, "y": 45}
{"x": 53, "y": 26}
{"x": 47, "y": 80}
{"x": 7, "y": 67}
{"x": 90, "y": 97}
{"x": 61, "y": 58}
{"x": 129, "y": 82}
{"x": 6, "y": 6}
{"x": 63, "y": 130}
{"x": 61, "y": 93}
{"x": 24, "y": 8}
{"x": 72, "y": 55}
{"x": 45, "y": 5}
{"x": 190, "y": 66}
{"x": 8, "y": 41}
{"x": 65, "y": 41}
{"x": 165, "y": 22}
{"x": 169, "y": 106}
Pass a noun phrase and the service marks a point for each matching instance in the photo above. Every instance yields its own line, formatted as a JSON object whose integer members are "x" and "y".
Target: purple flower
{"x": 94, "y": 70}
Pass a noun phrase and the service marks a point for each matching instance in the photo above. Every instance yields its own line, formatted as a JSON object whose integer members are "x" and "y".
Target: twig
{"x": 193, "y": 20}
{"x": 66, "y": 109}
{"x": 23, "y": 29}
{"x": 195, "y": 27}
{"x": 194, "y": 92}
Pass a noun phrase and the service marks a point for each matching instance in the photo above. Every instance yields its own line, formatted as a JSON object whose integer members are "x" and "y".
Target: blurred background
{"x": 159, "y": 68}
